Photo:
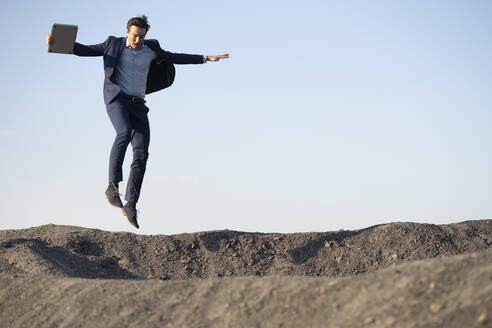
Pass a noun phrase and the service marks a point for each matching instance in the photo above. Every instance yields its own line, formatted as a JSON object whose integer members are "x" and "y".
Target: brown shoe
{"x": 113, "y": 196}
{"x": 130, "y": 211}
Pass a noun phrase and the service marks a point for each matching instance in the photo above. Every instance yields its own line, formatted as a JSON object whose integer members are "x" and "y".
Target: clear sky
{"x": 328, "y": 115}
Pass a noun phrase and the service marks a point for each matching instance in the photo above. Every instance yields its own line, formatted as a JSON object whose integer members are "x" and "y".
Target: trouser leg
{"x": 140, "y": 144}
{"x": 119, "y": 114}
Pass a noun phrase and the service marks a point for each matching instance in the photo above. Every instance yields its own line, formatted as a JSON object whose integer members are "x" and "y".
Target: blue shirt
{"x": 132, "y": 70}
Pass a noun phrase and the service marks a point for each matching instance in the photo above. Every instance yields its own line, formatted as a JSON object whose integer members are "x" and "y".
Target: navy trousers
{"x": 131, "y": 125}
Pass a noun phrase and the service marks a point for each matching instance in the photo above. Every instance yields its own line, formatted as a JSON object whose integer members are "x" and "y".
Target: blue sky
{"x": 328, "y": 115}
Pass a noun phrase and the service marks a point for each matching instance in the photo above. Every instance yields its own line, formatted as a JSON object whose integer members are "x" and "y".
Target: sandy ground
{"x": 394, "y": 275}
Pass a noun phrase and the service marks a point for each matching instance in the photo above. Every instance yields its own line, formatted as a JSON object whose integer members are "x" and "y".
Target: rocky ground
{"x": 393, "y": 275}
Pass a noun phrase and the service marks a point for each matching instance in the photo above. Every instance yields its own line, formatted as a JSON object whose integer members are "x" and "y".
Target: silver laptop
{"x": 64, "y": 36}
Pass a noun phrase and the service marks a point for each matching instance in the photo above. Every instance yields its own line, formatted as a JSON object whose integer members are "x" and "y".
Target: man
{"x": 133, "y": 67}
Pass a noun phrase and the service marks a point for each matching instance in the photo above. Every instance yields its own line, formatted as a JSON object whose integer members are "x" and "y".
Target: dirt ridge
{"x": 89, "y": 253}
{"x": 400, "y": 274}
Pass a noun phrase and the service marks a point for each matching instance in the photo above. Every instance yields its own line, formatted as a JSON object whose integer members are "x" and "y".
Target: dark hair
{"x": 140, "y": 21}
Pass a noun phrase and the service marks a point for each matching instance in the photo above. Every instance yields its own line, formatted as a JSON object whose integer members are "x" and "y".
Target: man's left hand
{"x": 217, "y": 57}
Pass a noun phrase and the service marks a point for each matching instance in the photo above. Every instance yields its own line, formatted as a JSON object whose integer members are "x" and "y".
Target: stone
{"x": 482, "y": 319}
{"x": 435, "y": 307}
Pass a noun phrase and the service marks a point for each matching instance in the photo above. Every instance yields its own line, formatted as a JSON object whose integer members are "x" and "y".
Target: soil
{"x": 394, "y": 275}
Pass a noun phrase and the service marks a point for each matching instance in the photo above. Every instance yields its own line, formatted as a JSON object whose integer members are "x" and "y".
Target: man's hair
{"x": 140, "y": 21}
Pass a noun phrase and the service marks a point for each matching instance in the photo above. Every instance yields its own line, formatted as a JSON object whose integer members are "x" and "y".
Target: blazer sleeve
{"x": 178, "y": 58}
{"x": 90, "y": 50}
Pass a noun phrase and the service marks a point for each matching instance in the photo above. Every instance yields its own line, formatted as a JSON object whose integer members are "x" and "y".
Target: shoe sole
{"x": 126, "y": 216}
{"x": 112, "y": 204}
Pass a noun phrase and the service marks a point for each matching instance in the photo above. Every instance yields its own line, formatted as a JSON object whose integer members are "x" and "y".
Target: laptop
{"x": 64, "y": 36}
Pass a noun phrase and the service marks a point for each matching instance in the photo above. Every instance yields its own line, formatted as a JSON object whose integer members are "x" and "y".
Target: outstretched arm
{"x": 217, "y": 57}
{"x": 80, "y": 49}
{"x": 179, "y": 58}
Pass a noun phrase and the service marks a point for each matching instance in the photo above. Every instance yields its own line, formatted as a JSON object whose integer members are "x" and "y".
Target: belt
{"x": 135, "y": 100}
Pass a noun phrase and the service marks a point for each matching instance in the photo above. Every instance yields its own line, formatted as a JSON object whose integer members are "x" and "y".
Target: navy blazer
{"x": 161, "y": 71}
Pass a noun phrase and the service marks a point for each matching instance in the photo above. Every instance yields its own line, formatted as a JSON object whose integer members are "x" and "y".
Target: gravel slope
{"x": 394, "y": 275}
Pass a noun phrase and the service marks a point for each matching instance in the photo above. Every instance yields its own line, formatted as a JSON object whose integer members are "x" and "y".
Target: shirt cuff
{"x": 204, "y": 59}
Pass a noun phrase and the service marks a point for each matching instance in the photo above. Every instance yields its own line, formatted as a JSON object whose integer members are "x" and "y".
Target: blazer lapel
{"x": 121, "y": 46}
{"x": 149, "y": 44}
{"x": 153, "y": 46}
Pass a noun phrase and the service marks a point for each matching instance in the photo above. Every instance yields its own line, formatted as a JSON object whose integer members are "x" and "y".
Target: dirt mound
{"x": 394, "y": 275}
{"x": 86, "y": 253}
{"x": 442, "y": 292}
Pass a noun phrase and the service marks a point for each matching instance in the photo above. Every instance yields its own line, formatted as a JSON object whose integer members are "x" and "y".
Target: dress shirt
{"x": 132, "y": 70}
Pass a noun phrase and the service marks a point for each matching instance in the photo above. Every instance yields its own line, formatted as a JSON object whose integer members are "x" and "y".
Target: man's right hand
{"x": 49, "y": 40}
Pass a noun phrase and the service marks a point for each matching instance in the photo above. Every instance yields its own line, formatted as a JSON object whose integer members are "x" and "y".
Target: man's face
{"x": 136, "y": 36}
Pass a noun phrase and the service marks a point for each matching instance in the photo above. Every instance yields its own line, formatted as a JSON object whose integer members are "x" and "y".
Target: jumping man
{"x": 133, "y": 67}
